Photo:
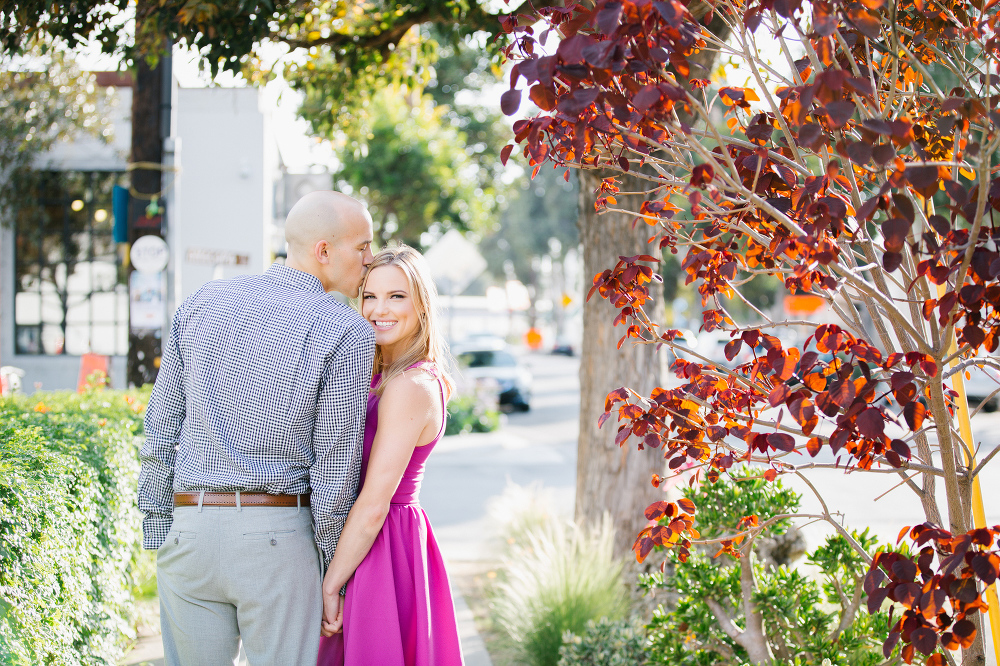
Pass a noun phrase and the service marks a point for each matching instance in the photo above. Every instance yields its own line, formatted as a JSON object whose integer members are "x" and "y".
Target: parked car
{"x": 563, "y": 348}
{"x": 488, "y": 362}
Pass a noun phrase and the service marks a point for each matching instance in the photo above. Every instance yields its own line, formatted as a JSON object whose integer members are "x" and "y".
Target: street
{"x": 539, "y": 446}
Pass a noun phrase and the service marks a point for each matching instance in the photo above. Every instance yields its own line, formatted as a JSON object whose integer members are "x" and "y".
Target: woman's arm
{"x": 406, "y": 411}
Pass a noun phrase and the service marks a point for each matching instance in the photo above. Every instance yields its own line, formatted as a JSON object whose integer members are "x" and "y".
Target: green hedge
{"x": 70, "y": 535}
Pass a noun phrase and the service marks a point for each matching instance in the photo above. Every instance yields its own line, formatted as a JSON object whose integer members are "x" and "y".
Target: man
{"x": 254, "y": 422}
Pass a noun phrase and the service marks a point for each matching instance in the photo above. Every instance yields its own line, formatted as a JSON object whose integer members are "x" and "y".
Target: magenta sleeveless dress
{"x": 398, "y": 610}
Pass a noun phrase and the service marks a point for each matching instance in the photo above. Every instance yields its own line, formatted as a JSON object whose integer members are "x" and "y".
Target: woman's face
{"x": 387, "y": 302}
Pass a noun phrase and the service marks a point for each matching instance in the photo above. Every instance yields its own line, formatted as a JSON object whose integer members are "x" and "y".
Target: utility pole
{"x": 150, "y": 126}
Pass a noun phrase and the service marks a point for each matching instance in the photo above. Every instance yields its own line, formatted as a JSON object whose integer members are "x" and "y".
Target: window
{"x": 70, "y": 292}
{"x": 486, "y": 359}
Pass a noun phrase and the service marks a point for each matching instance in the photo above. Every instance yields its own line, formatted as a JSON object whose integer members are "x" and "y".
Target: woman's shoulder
{"x": 416, "y": 384}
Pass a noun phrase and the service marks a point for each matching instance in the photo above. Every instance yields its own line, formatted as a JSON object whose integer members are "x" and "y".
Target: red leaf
{"x": 686, "y": 505}
{"x": 781, "y": 441}
{"x": 646, "y": 98}
{"x": 778, "y": 395}
{"x": 505, "y": 154}
{"x": 510, "y": 101}
{"x": 770, "y": 475}
{"x": 656, "y": 510}
{"x": 702, "y": 174}
{"x": 733, "y": 348}
{"x": 914, "y": 413}
{"x": 842, "y": 394}
{"x": 986, "y": 566}
{"x": 901, "y": 448}
{"x": 871, "y": 423}
{"x": 840, "y": 112}
{"x": 543, "y": 97}
{"x": 965, "y": 631}
{"x": 924, "y": 639}
{"x": 814, "y": 445}
{"x": 894, "y": 232}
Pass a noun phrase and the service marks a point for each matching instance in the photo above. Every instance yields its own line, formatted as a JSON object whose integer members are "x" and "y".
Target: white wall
{"x": 228, "y": 163}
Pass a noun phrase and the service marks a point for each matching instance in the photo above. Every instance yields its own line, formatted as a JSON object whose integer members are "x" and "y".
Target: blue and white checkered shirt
{"x": 262, "y": 387}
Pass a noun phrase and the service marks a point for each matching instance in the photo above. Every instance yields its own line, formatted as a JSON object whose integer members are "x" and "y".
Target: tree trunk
{"x": 610, "y": 478}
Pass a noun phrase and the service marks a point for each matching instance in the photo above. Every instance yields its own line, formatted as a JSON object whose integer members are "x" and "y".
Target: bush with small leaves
{"x": 605, "y": 643}
{"x": 725, "y": 608}
{"x": 70, "y": 534}
{"x": 469, "y": 413}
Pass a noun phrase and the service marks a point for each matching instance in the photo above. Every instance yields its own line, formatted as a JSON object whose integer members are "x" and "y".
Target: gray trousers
{"x": 226, "y": 574}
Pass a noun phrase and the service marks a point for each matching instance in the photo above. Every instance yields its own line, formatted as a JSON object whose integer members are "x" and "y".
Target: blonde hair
{"x": 428, "y": 343}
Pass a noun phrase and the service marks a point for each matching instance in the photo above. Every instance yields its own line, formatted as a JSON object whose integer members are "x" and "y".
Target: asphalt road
{"x": 468, "y": 472}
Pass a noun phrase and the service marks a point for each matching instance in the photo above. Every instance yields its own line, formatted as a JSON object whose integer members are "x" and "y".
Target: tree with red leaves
{"x": 859, "y": 172}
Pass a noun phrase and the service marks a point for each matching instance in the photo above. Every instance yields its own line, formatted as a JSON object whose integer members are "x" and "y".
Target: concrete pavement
{"x": 464, "y": 473}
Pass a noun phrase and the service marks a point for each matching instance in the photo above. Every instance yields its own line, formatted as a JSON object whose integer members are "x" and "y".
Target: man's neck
{"x": 292, "y": 262}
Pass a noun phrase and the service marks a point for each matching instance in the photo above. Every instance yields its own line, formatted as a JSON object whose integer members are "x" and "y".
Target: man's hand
{"x": 333, "y": 610}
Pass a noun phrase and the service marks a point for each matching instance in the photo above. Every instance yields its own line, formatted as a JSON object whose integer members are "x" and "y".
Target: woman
{"x": 398, "y": 609}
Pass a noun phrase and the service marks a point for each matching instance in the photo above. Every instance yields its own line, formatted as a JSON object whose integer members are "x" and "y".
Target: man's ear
{"x": 321, "y": 251}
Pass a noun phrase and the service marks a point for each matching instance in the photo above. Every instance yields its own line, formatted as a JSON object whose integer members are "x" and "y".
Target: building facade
{"x": 64, "y": 290}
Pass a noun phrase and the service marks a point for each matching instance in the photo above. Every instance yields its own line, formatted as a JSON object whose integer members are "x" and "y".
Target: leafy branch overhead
{"x": 361, "y": 35}
{"x": 858, "y": 170}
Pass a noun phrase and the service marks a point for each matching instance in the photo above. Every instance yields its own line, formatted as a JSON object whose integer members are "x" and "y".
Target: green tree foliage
{"x": 362, "y": 36}
{"x": 539, "y": 209}
{"x": 418, "y": 155}
{"x": 44, "y": 98}
{"x": 412, "y": 169}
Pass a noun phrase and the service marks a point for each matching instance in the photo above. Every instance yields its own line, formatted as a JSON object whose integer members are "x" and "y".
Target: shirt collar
{"x": 295, "y": 278}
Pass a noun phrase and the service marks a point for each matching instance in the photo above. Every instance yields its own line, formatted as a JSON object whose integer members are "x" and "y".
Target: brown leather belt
{"x": 245, "y": 499}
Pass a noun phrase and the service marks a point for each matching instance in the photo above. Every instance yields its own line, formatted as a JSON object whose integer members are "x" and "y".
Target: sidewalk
{"x": 148, "y": 650}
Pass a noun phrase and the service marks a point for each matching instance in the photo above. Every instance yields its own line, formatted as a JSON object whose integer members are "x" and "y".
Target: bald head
{"x": 318, "y": 216}
{"x": 329, "y": 235}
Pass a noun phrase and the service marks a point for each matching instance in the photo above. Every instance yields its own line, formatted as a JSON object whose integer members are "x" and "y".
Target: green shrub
{"x": 605, "y": 643}
{"x": 469, "y": 413}
{"x": 561, "y": 577}
{"x": 801, "y": 615}
{"x": 69, "y": 531}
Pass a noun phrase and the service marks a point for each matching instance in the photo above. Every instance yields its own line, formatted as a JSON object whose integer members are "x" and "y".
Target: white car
{"x": 492, "y": 362}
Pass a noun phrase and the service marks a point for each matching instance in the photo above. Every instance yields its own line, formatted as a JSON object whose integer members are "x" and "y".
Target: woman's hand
{"x": 333, "y": 613}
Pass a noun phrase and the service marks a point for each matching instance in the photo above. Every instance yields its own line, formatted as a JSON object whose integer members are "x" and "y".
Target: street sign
{"x": 454, "y": 262}
{"x": 197, "y": 255}
{"x": 149, "y": 254}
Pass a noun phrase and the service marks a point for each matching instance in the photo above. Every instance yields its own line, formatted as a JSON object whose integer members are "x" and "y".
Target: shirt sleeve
{"x": 337, "y": 436}
{"x": 162, "y": 424}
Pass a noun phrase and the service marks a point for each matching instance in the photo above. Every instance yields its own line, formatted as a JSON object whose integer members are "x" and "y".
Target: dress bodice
{"x": 408, "y": 491}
